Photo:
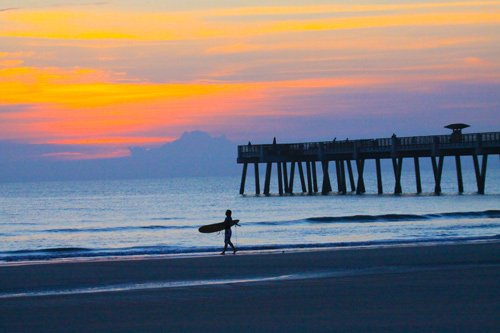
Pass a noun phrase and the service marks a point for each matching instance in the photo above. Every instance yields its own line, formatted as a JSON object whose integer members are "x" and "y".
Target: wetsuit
{"x": 227, "y": 234}
{"x": 227, "y": 230}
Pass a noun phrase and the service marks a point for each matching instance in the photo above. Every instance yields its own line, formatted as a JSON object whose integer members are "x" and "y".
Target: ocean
{"x": 114, "y": 218}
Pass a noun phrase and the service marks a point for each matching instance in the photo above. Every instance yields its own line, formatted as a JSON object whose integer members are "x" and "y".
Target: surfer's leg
{"x": 227, "y": 240}
{"x": 234, "y": 249}
{"x": 225, "y": 247}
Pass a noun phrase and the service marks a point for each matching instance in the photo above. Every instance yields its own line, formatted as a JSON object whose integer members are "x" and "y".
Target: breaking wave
{"x": 386, "y": 218}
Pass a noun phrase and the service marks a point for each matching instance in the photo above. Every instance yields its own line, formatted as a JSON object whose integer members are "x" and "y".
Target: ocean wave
{"x": 489, "y": 214}
{"x": 381, "y": 218}
{"x": 74, "y": 252}
{"x": 50, "y": 250}
{"x": 114, "y": 229}
{"x": 407, "y": 217}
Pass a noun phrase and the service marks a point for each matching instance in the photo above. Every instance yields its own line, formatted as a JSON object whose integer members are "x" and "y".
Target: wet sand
{"x": 412, "y": 288}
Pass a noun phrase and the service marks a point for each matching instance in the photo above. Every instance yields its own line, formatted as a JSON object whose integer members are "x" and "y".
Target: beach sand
{"x": 432, "y": 288}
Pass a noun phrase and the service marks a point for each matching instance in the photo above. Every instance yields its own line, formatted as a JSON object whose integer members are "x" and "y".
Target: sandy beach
{"x": 412, "y": 288}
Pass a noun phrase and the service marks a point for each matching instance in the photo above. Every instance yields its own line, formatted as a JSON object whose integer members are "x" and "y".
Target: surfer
{"x": 227, "y": 232}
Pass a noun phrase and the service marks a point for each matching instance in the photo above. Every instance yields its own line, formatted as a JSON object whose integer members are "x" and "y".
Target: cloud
{"x": 15, "y": 108}
{"x": 374, "y": 43}
{"x": 129, "y": 74}
{"x": 80, "y": 106}
{"x": 86, "y": 24}
{"x": 115, "y": 141}
{"x": 273, "y": 10}
{"x": 74, "y": 156}
{"x": 15, "y": 151}
{"x": 7, "y": 9}
{"x": 11, "y": 63}
{"x": 17, "y": 54}
{"x": 65, "y": 4}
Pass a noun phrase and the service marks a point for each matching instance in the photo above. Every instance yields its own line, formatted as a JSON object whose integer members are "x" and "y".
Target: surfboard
{"x": 206, "y": 229}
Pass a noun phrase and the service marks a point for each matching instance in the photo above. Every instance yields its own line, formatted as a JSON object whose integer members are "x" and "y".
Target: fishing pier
{"x": 347, "y": 154}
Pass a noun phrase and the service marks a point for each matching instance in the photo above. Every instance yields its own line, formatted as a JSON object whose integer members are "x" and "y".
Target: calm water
{"x": 112, "y": 218}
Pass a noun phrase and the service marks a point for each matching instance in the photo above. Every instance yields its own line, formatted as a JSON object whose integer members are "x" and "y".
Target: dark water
{"x": 136, "y": 217}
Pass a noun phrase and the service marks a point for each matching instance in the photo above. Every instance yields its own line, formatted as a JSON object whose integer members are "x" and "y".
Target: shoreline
{"x": 411, "y": 288}
{"x": 253, "y": 251}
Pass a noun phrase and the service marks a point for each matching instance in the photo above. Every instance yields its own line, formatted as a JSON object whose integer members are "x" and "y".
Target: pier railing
{"x": 465, "y": 141}
{"x": 342, "y": 152}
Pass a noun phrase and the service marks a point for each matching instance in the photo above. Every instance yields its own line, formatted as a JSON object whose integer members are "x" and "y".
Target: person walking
{"x": 227, "y": 232}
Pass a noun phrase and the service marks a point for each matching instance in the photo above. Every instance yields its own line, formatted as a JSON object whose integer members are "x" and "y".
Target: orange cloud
{"x": 86, "y": 156}
{"x": 10, "y": 62}
{"x": 54, "y": 92}
{"x": 78, "y": 106}
{"x": 346, "y": 8}
{"x": 373, "y": 43}
{"x": 125, "y": 141}
{"x": 87, "y": 24}
{"x": 13, "y": 59}
{"x": 91, "y": 107}
{"x": 16, "y": 54}
{"x": 81, "y": 88}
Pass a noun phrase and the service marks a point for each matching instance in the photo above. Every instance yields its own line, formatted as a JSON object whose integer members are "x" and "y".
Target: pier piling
{"x": 302, "y": 180}
{"x": 480, "y": 173}
{"x": 417, "y": 174}
{"x": 483, "y": 173}
{"x": 458, "y": 166}
{"x": 315, "y": 177}
{"x": 380, "y": 188}
{"x": 309, "y": 178}
{"x": 292, "y": 176}
{"x": 351, "y": 176}
{"x": 280, "y": 179}
{"x": 437, "y": 170}
{"x": 285, "y": 178}
{"x": 267, "y": 181}
{"x": 397, "y": 164}
{"x": 327, "y": 186}
{"x": 360, "y": 188}
{"x": 257, "y": 181}
{"x": 339, "y": 181}
{"x": 243, "y": 178}
{"x": 342, "y": 177}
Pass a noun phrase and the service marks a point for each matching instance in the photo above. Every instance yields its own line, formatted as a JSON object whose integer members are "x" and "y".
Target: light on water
{"x": 156, "y": 216}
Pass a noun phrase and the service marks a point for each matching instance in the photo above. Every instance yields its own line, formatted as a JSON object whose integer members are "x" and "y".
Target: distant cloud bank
{"x": 193, "y": 154}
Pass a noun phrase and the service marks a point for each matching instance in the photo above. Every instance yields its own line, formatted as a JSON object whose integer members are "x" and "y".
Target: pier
{"x": 346, "y": 155}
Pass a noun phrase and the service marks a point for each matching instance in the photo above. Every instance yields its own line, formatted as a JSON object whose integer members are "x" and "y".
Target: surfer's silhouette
{"x": 227, "y": 232}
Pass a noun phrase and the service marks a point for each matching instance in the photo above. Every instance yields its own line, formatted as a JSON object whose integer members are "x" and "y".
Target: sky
{"x": 96, "y": 77}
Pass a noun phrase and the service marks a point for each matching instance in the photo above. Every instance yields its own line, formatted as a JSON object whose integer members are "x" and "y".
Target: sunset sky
{"x": 113, "y": 74}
